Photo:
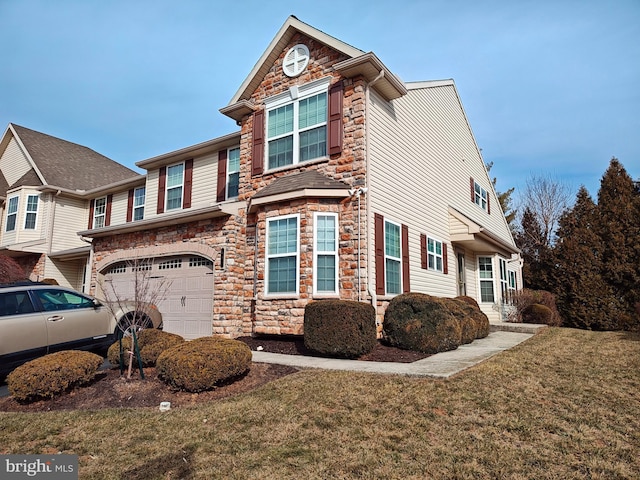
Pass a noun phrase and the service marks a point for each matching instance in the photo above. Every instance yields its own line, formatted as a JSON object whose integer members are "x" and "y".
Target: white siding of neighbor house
{"x": 14, "y": 163}
{"x": 151, "y": 192}
{"x": 20, "y": 234}
{"x": 71, "y": 216}
{"x": 119, "y": 204}
{"x": 421, "y": 155}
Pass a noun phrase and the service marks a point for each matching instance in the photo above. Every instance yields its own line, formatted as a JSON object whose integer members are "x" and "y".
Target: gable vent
{"x": 296, "y": 60}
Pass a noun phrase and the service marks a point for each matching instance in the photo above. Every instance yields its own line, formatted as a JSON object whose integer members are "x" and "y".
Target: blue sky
{"x": 549, "y": 87}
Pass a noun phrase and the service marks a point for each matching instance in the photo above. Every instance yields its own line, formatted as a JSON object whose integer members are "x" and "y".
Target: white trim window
{"x": 99, "y": 212}
{"x": 392, "y": 257}
{"x": 233, "y": 172}
{"x": 513, "y": 282}
{"x": 297, "y": 125}
{"x": 175, "y": 186}
{"x": 434, "y": 255}
{"x": 504, "y": 279}
{"x": 480, "y": 196}
{"x": 12, "y": 214}
{"x": 485, "y": 272}
{"x": 325, "y": 253}
{"x": 31, "y": 213}
{"x": 283, "y": 255}
{"x": 139, "y": 199}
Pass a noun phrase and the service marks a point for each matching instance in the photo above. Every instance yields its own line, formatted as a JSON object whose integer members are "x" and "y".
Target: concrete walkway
{"x": 440, "y": 365}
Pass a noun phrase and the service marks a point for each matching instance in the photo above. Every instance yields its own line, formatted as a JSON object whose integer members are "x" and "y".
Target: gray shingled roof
{"x": 299, "y": 181}
{"x": 69, "y": 165}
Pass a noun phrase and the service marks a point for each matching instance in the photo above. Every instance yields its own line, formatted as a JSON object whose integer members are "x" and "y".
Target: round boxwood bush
{"x": 470, "y": 300}
{"x": 420, "y": 322}
{"x": 462, "y": 311}
{"x": 203, "y": 363}
{"x": 48, "y": 376}
{"x": 340, "y": 328}
{"x": 152, "y": 342}
{"x": 537, "y": 313}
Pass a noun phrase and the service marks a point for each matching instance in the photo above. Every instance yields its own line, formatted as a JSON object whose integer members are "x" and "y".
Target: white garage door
{"x": 187, "y": 284}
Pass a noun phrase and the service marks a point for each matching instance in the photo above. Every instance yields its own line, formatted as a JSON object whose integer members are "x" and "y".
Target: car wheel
{"x": 124, "y": 326}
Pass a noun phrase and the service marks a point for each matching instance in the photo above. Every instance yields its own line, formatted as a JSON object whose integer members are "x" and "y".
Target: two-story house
{"x": 44, "y": 185}
{"x": 342, "y": 182}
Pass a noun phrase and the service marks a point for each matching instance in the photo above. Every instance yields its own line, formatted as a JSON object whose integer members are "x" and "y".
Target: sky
{"x": 550, "y": 87}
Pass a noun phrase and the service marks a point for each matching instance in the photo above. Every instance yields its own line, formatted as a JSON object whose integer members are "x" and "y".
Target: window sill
{"x": 297, "y": 165}
{"x": 326, "y": 296}
{"x": 282, "y": 296}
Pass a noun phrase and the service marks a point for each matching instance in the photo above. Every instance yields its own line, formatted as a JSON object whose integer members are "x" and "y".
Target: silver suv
{"x": 36, "y": 319}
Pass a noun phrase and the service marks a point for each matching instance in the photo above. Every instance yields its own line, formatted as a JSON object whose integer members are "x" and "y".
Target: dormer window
{"x": 297, "y": 125}
{"x": 138, "y": 203}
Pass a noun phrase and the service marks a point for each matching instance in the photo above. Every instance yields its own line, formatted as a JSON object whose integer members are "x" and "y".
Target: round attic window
{"x": 296, "y": 60}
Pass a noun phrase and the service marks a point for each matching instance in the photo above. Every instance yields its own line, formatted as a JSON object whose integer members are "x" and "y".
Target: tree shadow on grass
{"x": 176, "y": 465}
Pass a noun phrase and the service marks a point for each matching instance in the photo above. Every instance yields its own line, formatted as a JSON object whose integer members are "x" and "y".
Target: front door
{"x": 462, "y": 281}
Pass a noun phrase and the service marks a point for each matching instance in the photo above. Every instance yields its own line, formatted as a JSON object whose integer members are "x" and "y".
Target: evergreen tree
{"x": 505, "y": 200}
{"x": 536, "y": 253}
{"x": 619, "y": 232}
{"x": 585, "y": 299}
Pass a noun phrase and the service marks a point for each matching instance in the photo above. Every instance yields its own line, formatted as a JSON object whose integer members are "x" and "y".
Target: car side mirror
{"x": 96, "y": 303}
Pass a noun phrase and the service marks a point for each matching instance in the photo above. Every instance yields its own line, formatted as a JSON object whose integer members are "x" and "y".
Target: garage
{"x": 185, "y": 284}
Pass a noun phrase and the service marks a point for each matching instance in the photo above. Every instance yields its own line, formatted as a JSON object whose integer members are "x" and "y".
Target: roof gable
{"x": 66, "y": 164}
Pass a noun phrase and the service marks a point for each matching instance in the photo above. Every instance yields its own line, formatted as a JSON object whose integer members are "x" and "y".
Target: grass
{"x": 565, "y": 404}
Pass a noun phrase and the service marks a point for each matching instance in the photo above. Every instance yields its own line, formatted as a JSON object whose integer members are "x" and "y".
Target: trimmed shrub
{"x": 420, "y": 322}
{"x": 470, "y": 300}
{"x": 527, "y": 297}
{"x": 462, "y": 311}
{"x": 203, "y": 363}
{"x": 48, "y": 376}
{"x": 472, "y": 310}
{"x": 152, "y": 342}
{"x": 537, "y": 313}
{"x": 340, "y": 328}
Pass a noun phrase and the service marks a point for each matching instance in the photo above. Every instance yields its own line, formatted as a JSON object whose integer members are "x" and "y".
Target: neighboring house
{"x": 342, "y": 182}
{"x": 44, "y": 183}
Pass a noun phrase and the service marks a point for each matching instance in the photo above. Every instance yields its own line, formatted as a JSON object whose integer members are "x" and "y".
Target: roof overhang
{"x": 254, "y": 203}
{"x": 239, "y": 110}
{"x": 210, "y": 146}
{"x": 477, "y": 238}
{"x": 103, "y": 190}
{"x": 23, "y": 249}
{"x": 72, "y": 253}
{"x": 166, "y": 220}
{"x": 375, "y": 73}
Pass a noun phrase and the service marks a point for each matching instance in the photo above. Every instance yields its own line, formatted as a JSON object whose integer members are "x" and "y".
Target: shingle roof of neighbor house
{"x": 66, "y": 164}
{"x": 305, "y": 180}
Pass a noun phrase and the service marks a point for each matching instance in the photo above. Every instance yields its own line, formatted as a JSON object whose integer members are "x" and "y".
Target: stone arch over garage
{"x": 157, "y": 251}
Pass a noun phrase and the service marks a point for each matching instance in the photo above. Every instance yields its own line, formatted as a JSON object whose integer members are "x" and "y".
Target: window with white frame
{"x": 99, "y": 212}
{"x": 139, "y": 196}
{"x": 480, "y": 196}
{"x": 485, "y": 271}
{"x": 504, "y": 280}
{"x": 283, "y": 255}
{"x": 175, "y": 185}
{"x": 31, "y": 212}
{"x": 325, "y": 253}
{"x": 233, "y": 172}
{"x": 513, "y": 285}
{"x": 297, "y": 125}
{"x": 12, "y": 214}
{"x": 392, "y": 258}
{"x": 434, "y": 254}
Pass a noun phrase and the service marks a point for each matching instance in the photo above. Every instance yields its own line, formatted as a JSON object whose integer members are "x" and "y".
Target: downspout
{"x": 370, "y": 247}
{"x": 52, "y": 218}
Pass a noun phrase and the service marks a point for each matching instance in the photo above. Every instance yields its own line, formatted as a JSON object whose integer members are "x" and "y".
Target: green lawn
{"x": 565, "y": 404}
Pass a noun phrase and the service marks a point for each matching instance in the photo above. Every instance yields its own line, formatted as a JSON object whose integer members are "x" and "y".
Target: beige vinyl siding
{"x": 66, "y": 273}
{"x": 14, "y": 163}
{"x": 151, "y": 194}
{"x": 205, "y": 170}
{"x": 40, "y": 232}
{"x": 119, "y": 208}
{"x": 71, "y": 216}
{"x": 421, "y": 156}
